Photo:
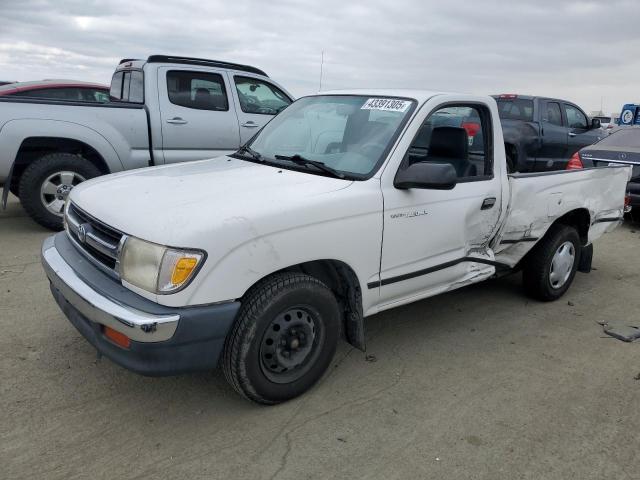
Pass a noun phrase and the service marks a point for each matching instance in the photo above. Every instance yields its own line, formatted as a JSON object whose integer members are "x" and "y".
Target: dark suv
{"x": 543, "y": 133}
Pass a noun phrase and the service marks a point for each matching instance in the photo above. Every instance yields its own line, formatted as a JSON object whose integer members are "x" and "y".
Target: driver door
{"x": 427, "y": 232}
{"x": 259, "y": 102}
{"x": 580, "y": 132}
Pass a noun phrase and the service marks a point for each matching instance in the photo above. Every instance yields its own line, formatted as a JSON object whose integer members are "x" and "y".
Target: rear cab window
{"x": 127, "y": 86}
{"x": 515, "y": 109}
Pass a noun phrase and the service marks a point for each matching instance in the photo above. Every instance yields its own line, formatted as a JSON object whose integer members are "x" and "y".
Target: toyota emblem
{"x": 82, "y": 233}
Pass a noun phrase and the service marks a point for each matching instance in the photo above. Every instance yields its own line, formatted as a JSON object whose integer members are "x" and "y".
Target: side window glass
{"x": 136, "y": 87}
{"x": 53, "y": 94}
{"x": 198, "y": 90}
{"x": 100, "y": 96}
{"x": 575, "y": 118}
{"x": 554, "y": 115}
{"x": 125, "y": 86}
{"x": 458, "y": 135}
{"x": 116, "y": 86}
{"x": 260, "y": 97}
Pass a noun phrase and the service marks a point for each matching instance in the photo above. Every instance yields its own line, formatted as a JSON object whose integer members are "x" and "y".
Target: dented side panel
{"x": 538, "y": 200}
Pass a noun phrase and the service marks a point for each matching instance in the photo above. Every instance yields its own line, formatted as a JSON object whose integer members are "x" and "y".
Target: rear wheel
{"x": 46, "y": 183}
{"x": 284, "y": 338}
{"x": 551, "y": 265}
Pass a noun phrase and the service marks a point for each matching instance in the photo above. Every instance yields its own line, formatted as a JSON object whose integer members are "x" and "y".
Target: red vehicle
{"x": 71, "y": 90}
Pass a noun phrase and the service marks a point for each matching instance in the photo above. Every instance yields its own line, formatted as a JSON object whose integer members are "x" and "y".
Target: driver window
{"x": 257, "y": 96}
{"x": 575, "y": 118}
{"x": 458, "y": 135}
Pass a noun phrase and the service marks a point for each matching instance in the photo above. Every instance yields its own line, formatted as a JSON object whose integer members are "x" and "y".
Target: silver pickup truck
{"x": 162, "y": 110}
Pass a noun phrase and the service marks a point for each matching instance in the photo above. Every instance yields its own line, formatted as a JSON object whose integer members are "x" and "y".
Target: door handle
{"x": 571, "y": 134}
{"x": 249, "y": 124}
{"x": 177, "y": 121}
{"x": 488, "y": 203}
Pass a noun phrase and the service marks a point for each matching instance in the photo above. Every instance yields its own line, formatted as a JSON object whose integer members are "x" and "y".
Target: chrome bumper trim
{"x": 138, "y": 326}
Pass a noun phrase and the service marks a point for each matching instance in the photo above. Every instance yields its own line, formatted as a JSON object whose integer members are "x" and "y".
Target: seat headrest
{"x": 449, "y": 142}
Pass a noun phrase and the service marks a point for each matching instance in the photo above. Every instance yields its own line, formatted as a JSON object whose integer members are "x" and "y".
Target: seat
{"x": 451, "y": 145}
{"x": 202, "y": 98}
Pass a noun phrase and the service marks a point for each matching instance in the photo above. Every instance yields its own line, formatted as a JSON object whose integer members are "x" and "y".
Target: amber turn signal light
{"x": 116, "y": 337}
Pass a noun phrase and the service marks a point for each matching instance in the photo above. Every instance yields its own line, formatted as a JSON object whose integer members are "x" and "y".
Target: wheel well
{"x": 35, "y": 147}
{"x": 580, "y": 219}
{"x": 343, "y": 282}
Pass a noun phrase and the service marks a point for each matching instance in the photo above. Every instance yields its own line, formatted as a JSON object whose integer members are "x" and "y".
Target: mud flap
{"x": 6, "y": 187}
{"x": 354, "y": 321}
{"x": 586, "y": 257}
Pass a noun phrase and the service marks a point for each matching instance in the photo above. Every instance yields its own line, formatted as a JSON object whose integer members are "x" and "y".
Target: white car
{"x": 607, "y": 123}
{"x": 344, "y": 205}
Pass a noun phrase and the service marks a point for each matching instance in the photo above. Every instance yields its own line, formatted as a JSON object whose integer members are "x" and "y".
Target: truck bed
{"x": 120, "y": 127}
{"x": 538, "y": 199}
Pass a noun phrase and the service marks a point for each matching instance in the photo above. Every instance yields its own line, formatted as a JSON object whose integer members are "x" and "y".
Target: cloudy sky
{"x": 584, "y": 51}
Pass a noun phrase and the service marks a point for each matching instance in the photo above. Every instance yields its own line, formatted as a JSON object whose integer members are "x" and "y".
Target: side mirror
{"x": 436, "y": 176}
{"x": 595, "y": 123}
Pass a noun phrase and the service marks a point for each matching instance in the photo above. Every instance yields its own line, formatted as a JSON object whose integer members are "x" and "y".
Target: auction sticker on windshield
{"x": 386, "y": 104}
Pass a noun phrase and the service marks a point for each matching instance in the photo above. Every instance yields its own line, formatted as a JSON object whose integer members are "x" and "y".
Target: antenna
{"x": 321, "y": 64}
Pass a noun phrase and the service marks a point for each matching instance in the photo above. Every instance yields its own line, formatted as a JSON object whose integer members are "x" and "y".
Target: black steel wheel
{"x": 284, "y": 338}
{"x": 290, "y": 344}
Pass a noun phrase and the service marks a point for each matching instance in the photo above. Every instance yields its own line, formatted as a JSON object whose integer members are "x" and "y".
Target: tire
{"x": 257, "y": 369}
{"x": 42, "y": 173}
{"x": 545, "y": 280}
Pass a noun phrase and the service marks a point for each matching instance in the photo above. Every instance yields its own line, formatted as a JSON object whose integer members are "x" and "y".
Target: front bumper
{"x": 164, "y": 340}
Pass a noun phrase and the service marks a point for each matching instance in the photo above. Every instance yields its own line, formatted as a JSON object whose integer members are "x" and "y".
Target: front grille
{"x": 99, "y": 241}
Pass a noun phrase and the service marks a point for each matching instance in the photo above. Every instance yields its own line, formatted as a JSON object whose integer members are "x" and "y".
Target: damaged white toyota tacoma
{"x": 344, "y": 205}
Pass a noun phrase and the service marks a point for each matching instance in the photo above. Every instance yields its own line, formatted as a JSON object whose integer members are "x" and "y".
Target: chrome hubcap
{"x": 562, "y": 264}
{"x": 55, "y": 190}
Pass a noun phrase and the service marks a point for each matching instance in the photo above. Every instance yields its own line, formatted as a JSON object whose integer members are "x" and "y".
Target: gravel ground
{"x": 481, "y": 383}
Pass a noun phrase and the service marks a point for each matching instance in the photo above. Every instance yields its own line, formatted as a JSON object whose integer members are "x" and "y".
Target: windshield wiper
{"x": 300, "y": 160}
{"x": 252, "y": 153}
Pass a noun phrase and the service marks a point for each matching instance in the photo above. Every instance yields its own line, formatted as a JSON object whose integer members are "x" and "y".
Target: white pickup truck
{"x": 164, "y": 110}
{"x": 344, "y": 205}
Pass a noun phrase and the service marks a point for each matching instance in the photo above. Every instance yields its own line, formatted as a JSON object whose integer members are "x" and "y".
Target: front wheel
{"x": 284, "y": 338}
{"x": 551, "y": 266}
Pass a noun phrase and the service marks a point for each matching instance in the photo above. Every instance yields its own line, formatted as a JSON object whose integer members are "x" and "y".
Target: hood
{"x": 175, "y": 204}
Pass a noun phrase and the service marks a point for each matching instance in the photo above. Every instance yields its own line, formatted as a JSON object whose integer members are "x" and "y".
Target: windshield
{"x": 516, "y": 109}
{"x": 350, "y": 134}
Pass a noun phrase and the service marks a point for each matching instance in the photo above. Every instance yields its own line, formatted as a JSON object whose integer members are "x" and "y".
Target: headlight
{"x": 155, "y": 268}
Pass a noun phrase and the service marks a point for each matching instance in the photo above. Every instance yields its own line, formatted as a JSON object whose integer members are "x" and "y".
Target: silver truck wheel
{"x": 46, "y": 183}
{"x": 549, "y": 268}
{"x": 562, "y": 265}
{"x": 56, "y": 188}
